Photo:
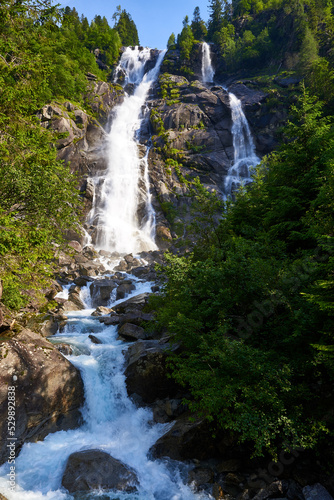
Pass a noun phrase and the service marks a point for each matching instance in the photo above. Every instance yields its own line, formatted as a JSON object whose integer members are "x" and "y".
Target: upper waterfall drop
{"x": 244, "y": 149}
{"x": 207, "y": 69}
{"x": 115, "y": 207}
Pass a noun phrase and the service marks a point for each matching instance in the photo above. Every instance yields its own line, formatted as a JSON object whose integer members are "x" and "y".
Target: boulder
{"x": 65, "y": 349}
{"x": 131, "y": 333}
{"x": 136, "y": 302}
{"x": 101, "y": 311}
{"x": 124, "y": 289}
{"x": 74, "y": 297}
{"x": 48, "y": 389}
{"x": 187, "y": 439}
{"x": 94, "y": 339}
{"x": 316, "y": 492}
{"x": 146, "y": 373}
{"x": 136, "y": 317}
{"x": 100, "y": 291}
{"x": 94, "y": 469}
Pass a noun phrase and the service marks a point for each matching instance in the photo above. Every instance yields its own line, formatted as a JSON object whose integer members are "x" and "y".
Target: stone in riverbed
{"x": 316, "y": 492}
{"x": 136, "y": 302}
{"x": 124, "y": 289}
{"x": 94, "y": 339}
{"x": 100, "y": 291}
{"x": 49, "y": 389}
{"x": 130, "y": 332}
{"x": 101, "y": 311}
{"x": 94, "y": 469}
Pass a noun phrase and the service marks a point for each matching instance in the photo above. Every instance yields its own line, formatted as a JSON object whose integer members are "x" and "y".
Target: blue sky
{"x": 155, "y": 19}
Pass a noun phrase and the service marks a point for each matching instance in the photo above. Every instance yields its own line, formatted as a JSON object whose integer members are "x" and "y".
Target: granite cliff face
{"x": 188, "y": 131}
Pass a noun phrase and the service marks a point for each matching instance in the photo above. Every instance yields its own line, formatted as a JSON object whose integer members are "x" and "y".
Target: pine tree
{"x": 198, "y": 26}
{"x": 216, "y": 17}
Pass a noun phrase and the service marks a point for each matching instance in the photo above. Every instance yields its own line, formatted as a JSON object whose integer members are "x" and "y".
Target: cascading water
{"x": 115, "y": 210}
{"x": 112, "y": 422}
{"x": 207, "y": 69}
{"x": 244, "y": 149}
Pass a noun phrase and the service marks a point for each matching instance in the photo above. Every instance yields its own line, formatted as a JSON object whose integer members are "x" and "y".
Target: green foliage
{"x": 198, "y": 26}
{"x": 127, "y": 29}
{"x": 171, "y": 41}
{"x": 253, "y": 304}
{"x": 185, "y": 42}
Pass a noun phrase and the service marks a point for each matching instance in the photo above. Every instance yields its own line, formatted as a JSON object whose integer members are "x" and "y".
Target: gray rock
{"x": 48, "y": 389}
{"x": 130, "y": 332}
{"x": 124, "y": 289}
{"x": 94, "y": 469}
{"x": 94, "y": 339}
{"x": 65, "y": 349}
{"x": 316, "y": 492}
{"x": 101, "y": 311}
{"x": 100, "y": 291}
{"x": 136, "y": 302}
{"x": 146, "y": 373}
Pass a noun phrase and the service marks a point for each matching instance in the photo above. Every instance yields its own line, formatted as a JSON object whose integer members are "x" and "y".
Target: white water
{"x": 112, "y": 423}
{"x": 207, "y": 69}
{"x": 240, "y": 172}
{"x": 116, "y": 205}
{"x": 245, "y": 158}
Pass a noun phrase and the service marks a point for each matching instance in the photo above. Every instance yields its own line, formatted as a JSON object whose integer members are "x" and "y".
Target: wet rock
{"x": 167, "y": 409}
{"x": 112, "y": 320}
{"x": 146, "y": 373}
{"x": 136, "y": 317}
{"x": 101, "y": 311}
{"x": 82, "y": 280}
{"x": 74, "y": 297}
{"x": 94, "y": 339}
{"x": 278, "y": 488}
{"x": 94, "y": 469}
{"x": 131, "y": 333}
{"x": 49, "y": 326}
{"x": 316, "y": 492}
{"x": 200, "y": 476}
{"x": 65, "y": 349}
{"x": 124, "y": 289}
{"x": 187, "y": 439}
{"x": 100, "y": 291}
{"x": 136, "y": 302}
{"x": 48, "y": 389}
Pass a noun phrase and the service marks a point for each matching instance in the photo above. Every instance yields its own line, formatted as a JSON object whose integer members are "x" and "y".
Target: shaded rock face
{"x": 146, "y": 372}
{"x": 192, "y": 138}
{"x": 82, "y": 137}
{"x": 48, "y": 389}
{"x": 263, "y": 120}
{"x": 94, "y": 469}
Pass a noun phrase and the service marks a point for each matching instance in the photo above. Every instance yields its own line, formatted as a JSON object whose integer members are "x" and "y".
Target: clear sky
{"x": 155, "y": 19}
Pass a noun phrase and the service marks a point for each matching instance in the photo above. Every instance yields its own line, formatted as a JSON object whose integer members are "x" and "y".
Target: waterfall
{"x": 115, "y": 207}
{"x": 244, "y": 149}
{"x": 207, "y": 69}
{"x": 245, "y": 157}
{"x": 112, "y": 423}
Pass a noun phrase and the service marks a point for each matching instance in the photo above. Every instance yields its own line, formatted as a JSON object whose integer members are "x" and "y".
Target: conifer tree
{"x": 198, "y": 26}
